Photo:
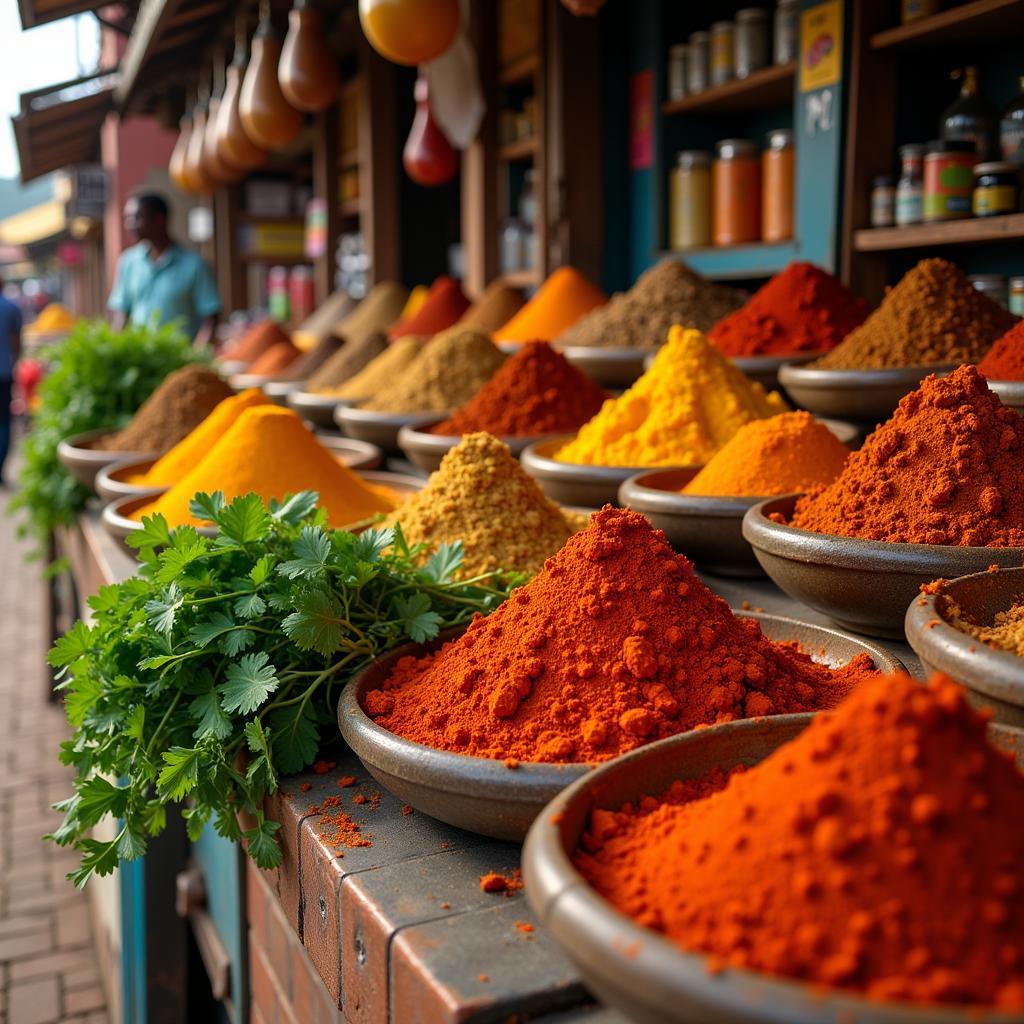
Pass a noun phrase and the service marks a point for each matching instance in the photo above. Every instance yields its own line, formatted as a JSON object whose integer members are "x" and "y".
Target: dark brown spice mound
{"x": 356, "y": 353}
{"x": 174, "y": 410}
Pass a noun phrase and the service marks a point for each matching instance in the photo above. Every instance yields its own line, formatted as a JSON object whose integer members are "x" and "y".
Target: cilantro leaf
{"x": 180, "y": 772}
{"x": 207, "y": 506}
{"x": 131, "y": 845}
{"x": 154, "y": 534}
{"x": 162, "y": 611}
{"x": 317, "y": 622}
{"x": 296, "y": 737}
{"x": 370, "y": 544}
{"x": 263, "y": 845}
{"x": 249, "y": 683}
{"x": 417, "y": 618}
{"x": 211, "y": 718}
{"x": 98, "y": 797}
{"x": 443, "y": 562}
{"x": 187, "y": 547}
{"x": 311, "y": 551}
{"x": 250, "y": 606}
{"x": 202, "y": 634}
{"x": 97, "y": 858}
{"x": 296, "y": 508}
{"x": 74, "y": 644}
{"x": 260, "y": 572}
{"x": 245, "y": 520}
{"x": 236, "y": 641}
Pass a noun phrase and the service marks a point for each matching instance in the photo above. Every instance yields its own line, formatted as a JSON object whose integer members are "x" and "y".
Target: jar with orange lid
{"x": 777, "y": 186}
{"x": 736, "y": 188}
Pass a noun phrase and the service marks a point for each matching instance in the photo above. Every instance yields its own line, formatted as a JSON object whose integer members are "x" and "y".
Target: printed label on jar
{"x": 946, "y": 207}
{"x": 991, "y": 200}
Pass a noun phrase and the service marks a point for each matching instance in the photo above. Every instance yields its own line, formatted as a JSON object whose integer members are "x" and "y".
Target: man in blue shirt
{"x": 10, "y": 351}
{"x": 157, "y": 280}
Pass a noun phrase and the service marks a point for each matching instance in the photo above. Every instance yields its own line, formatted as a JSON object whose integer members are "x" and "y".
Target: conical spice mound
{"x": 614, "y": 644}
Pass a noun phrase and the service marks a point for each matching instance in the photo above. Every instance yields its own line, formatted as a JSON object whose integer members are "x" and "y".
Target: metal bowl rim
{"x": 831, "y": 379}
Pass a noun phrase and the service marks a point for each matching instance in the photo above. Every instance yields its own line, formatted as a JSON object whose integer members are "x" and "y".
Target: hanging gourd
{"x": 308, "y": 72}
{"x": 268, "y": 118}
{"x": 234, "y": 146}
{"x": 214, "y": 164}
{"x": 428, "y": 157}
{"x": 176, "y": 166}
{"x": 195, "y": 170}
{"x": 410, "y": 31}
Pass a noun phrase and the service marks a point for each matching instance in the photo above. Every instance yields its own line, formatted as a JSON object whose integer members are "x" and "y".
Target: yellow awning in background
{"x": 34, "y": 224}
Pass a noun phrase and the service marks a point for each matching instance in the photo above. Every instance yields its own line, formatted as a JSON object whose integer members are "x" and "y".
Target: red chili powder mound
{"x": 803, "y": 309}
{"x": 880, "y": 850}
{"x": 1005, "y": 359}
{"x": 444, "y": 305}
{"x": 536, "y": 391}
{"x": 255, "y": 341}
{"x": 277, "y": 357}
{"x": 945, "y": 469}
{"x": 615, "y": 643}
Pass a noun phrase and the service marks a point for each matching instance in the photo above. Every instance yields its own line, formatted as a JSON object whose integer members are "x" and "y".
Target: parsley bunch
{"x": 229, "y": 646}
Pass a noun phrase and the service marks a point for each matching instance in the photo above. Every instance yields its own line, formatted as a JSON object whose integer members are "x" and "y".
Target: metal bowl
{"x": 78, "y": 456}
{"x": 352, "y": 453}
{"x": 569, "y": 483}
{"x": 510, "y": 348}
{"x": 279, "y": 390}
{"x": 610, "y": 367}
{"x": 1010, "y": 392}
{"x": 244, "y": 381}
{"x": 993, "y": 678}
{"x": 381, "y": 428}
{"x": 482, "y": 795}
{"x": 864, "y": 585}
{"x": 111, "y": 483}
{"x": 426, "y": 450}
{"x": 866, "y": 397}
{"x": 765, "y": 369}
{"x": 318, "y": 409}
{"x": 635, "y": 970}
{"x": 229, "y": 367}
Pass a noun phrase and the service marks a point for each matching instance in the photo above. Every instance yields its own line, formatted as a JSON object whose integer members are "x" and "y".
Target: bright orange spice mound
{"x": 614, "y": 644}
{"x": 880, "y": 851}
{"x": 560, "y": 301}
{"x": 945, "y": 469}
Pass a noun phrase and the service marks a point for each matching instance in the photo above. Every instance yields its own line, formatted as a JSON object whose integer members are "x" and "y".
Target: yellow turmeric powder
{"x": 679, "y": 413}
{"x": 269, "y": 451}
{"x": 170, "y": 468}
{"x": 790, "y": 452}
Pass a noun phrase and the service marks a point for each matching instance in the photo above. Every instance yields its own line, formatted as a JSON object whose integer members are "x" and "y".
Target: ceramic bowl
{"x": 1010, "y": 392}
{"x": 318, "y": 409}
{"x": 482, "y": 795}
{"x": 229, "y": 367}
{"x": 279, "y": 390}
{"x": 609, "y": 367}
{"x": 426, "y": 450}
{"x": 244, "y": 381}
{"x": 381, "y": 428}
{"x": 866, "y": 397}
{"x": 510, "y": 348}
{"x": 644, "y": 976}
{"x": 993, "y": 678}
{"x": 83, "y": 461}
{"x": 864, "y": 585}
{"x": 569, "y": 483}
{"x": 765, "y": 369}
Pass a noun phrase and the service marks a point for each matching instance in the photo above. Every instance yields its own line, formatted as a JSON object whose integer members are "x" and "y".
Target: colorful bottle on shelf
{"x": 690, "y": 201}
{"x": 970, "y": 116}
{"x": 910, "y": 187}
{"x": 949, "y": 179}
{"x": 777, "y": 177}
{"x": 736, "y": 192}
{"x": 1011, "y": 128}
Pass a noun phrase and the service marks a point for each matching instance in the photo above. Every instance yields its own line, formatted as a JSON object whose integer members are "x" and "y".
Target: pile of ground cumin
{"x": 184, "y": 399}
{"x": 933, "y": 315}
{"x": 1006, "y": 632}
{"x": 481, "y": 496}
{"x": 350, "y": 359}
{"x": 669, "y": 293}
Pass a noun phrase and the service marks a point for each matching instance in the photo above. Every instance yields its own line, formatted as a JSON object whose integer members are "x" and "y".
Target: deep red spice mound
{"x": 803, "y": 309}
{"x": 615, "y": 643}
{"x": 537, "y": 391}
{"x": 947, "y": 468}
{"x": 1005, "y": 359}
{"x": 444, "y": 304}
{"x": 880, "y": 850}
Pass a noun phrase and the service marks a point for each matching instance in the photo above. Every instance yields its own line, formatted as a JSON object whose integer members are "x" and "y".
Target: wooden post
{"x": 325, "y": 186}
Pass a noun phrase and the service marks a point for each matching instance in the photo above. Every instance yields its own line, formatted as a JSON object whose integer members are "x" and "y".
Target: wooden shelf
{"x": 764, "y": 89}
{"x": 1009, "y": 228}
{"x": 520, "y": 70}
{"x": 349, "y": 160}
{"x": 522, "y": 149}
{"x": 740, "y": 262}
{"x": 521, "y": 278}
{"x": 250, "y": 218}
{"x": 351, "y": 207}
{"x": 977, "y": 21}
{"x": 284, "y": 261}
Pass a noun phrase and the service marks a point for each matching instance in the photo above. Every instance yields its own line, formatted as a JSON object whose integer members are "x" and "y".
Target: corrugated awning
{"x": 40, "y": 12}
{"x": 60, "y": 125}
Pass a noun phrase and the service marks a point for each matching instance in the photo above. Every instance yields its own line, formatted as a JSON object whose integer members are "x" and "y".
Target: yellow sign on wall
{"x": 821, "y": 45}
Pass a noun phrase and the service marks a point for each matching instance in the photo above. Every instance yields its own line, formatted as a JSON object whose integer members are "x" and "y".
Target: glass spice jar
{"x": 698, "y": 69}
{"x": 736, "y": 192}
{"x": 785, "y": 31}
{"x": 751, "y": 46}
{"x": 992, "y": 285}
{"x": 910, "y": 187}
{"x": 777, "y": 178}
{"x": 996, "y": 189}
{"x": 690, "y": 201}
{"x": 677, "y": 71}
{"x": 883, "y": 202}
{"x": 948, "y": 179}
{"x": 723, "y": 52}
{"x": 1017, "y": 296}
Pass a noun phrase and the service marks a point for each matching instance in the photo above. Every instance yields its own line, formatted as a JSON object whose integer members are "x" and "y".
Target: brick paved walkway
{"x": 48, "y": 969}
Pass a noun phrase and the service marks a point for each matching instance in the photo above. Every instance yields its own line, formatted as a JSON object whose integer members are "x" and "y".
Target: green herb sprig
{"x": 215, "y": 670}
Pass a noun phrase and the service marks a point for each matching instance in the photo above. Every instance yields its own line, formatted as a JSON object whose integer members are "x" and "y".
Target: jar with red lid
{"x": 736, "y": 188}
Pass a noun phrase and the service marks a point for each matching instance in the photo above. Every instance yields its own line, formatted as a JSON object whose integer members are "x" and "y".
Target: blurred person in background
{"x": 10, "y": 352}
{"x": 160, "y": 281}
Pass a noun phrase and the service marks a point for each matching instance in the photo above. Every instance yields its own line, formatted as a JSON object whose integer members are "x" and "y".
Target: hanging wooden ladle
{"x": 176, "y": 165}
{"x": 308, "y": 71}
{"x": 268, "y": 118}
{"x": 234, "y": 146}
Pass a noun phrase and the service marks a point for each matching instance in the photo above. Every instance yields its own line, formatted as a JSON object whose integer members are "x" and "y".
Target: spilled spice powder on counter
{"x": 1005, "y": 359}
{"x": 801, "y": 309}
{"x": 269, "y": 451}
{"x": 497, "y": 305}
{"x": 339, "y": 829}
{"x": 352, "y": 358}
{"x": 945, "y": 469}
{"x": 668, "y": 294}
{"x": 453, "y": 366}
{"x": 379, "y": 372}
{"x": 495, "y": 881}
{"x": 255, "y": 341}
{"x": 679, "y": 413}
{"x": 442, "y": 307}
{"x": 879, "y": 851}
{"x": 170, "y": 468}
{"x": 182, "y": 401}
{"x": 277, "y": 358}
{"x": 933, "y": 315}
{"x": 559, "y": 302}
{"x": 616, "y": 643}
{"x": 482, "y": 497}
{"x": 786, "y": 453}
{"x": 538, "y": 391}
